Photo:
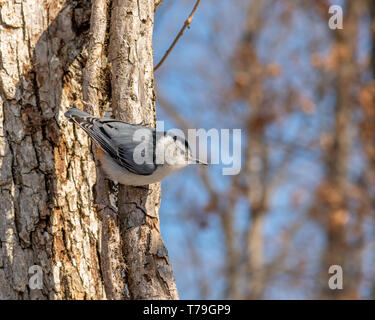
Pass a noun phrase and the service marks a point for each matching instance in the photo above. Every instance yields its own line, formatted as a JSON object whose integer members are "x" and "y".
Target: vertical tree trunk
{"x": 47, "y": 171}
{"x": 333, "y": 205}
{"x": 256, "y": 151}
{"x": 367, "y": 129}
{"x": 149, "y": 272}
{"x": 96, "y": 96}
{"x": 55, "y": 211}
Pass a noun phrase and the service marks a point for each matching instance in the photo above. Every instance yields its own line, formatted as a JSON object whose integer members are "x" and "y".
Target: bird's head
{"x": 176, "y": 151}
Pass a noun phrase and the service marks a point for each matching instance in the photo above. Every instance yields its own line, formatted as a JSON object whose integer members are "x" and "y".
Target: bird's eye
{"x": 175, "y": 138}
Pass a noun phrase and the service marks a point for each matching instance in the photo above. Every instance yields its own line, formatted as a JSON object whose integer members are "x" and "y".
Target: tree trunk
{"x": 256, "y": 152}
{"x": 149, "y": 272}
{"x": 47, "y": 170}
{"x": 333, "y": 194}
{"x": 56, "y": 208}
{"x": 367, "y": 129}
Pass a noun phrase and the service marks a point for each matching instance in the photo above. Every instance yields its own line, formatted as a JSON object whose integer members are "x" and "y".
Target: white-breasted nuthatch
{"x": 133, "y": 154}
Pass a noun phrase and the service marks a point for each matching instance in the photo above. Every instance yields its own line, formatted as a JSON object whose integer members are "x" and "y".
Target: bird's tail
{"x": 74, "y": 114}
{"x": 85, "y": 120}
{"x": 82, "y": 118}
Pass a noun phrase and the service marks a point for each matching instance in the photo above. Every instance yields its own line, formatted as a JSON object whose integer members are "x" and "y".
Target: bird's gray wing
{"x": 130, "y": 146}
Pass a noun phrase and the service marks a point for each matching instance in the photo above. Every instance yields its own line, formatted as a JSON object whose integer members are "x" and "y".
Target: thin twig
{"x": 186, "y": 25}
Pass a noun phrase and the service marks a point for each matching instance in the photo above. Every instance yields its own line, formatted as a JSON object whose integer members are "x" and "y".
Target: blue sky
{"x": 193, "y": 79}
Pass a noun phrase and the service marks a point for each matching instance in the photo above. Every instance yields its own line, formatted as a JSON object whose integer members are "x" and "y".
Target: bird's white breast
{"x": 117, "y": 173}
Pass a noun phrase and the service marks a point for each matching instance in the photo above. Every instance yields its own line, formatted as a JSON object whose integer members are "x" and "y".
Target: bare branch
{"x": 186, "y": 25}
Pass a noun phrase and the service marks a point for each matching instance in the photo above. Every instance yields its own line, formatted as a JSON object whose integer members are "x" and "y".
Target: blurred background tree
{"x": 304, "y": 97}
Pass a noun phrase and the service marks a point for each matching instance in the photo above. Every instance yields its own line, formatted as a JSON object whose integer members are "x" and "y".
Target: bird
{"x": 134, "y": 155}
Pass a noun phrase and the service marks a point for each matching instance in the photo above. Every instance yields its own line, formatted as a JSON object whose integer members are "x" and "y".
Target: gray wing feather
{"x": 116, "y": 138}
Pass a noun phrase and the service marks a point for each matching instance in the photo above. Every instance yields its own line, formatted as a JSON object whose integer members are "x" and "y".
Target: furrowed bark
{"x": 55, "y": 204}
{"x": 149, "y": 272}
{"x": 95, "y": 96}
{"x": 47, "y": 172}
